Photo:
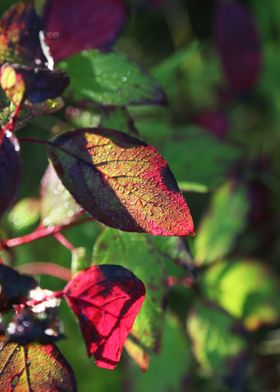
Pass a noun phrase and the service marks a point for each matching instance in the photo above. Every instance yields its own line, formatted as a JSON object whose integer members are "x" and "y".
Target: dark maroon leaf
{"x": 71, "y": 27}
{"x": 9, "y": 170}
{"x": 216, "y": 122}
{"x": 19, "y": 35}
{"x": 42, "y": 84}
{"x": 14, "y": 287}
{"x": 238, "y": 44}
{"x": 106, "y": 300}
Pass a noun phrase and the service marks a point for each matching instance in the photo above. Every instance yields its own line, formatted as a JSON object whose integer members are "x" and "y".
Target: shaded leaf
{"x": 218, "y": 158}
{"x": 70, "y": 29}
{"x": 19, "y": 35}
{"x": 215, "y": 338}
{"x": 34, "y": 367}
{"x": 246, "y": 289}
{"x": 9, "y": 170}
{"x": 134, "y": 252}
{"x": 169, "y": 370}
{"x": 57, "y": 205}
{"x": 14, "y": 287}
{"x": 106, "y": 300}
{"x": 122, "y": 181}
{"x": 220, "y": 227}
{"x": 41, "y": 83}
{"x": 111, "y": 79}
{"x": 238, "y": 44}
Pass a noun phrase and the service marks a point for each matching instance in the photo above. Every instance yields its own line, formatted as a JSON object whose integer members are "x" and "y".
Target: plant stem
{"x": 43, "y": 268}
{"x": 39, "y": 233}
{"x": 64, "y": 242}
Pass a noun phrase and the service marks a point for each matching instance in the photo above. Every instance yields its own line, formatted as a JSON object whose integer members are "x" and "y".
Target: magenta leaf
{"x": 238, "y": 44}
{"x": 93, "y": 24}
{"x": 106, "y": 300}
{"x": 9, "y": 170}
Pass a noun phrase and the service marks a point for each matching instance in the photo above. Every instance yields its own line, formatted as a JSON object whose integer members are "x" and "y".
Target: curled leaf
{"x": 34, "y": 367}
{"x": 93, "y": 24}
{"x": 19, "y": 35}
{"x": 106, "y": 300}
{"x": 122, "y": 181}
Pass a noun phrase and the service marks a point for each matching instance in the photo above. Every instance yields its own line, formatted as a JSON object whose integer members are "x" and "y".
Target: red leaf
{"x": 106, "y": 300}
{"x": 238, "y": 43}
{"x": 123, "y": 182}
{"x": 71, "y": 27}
{"x": 9, "y": 169}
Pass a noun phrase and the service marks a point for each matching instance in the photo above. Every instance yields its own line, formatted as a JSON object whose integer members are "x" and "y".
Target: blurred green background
{"x": 220, "y": 135}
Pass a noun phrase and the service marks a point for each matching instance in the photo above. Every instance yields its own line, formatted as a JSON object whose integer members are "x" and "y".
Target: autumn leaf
{"x": 106, "y": 300}
{"x": 14, "y": 287}
{"x": 70, "y": 29}
{"x": 123, "y": 182}
{"x": 238, "y": 44}
{"x": 35, "y": 368}
{"x": 12, "y": 83}
{"x": 9, "y": 169}
{"x": 19, "y": 35}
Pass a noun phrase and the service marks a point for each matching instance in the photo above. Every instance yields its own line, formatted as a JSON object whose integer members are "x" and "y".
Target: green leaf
{"x": 111, "y": 79}
{"x": 214, "y": 341}
{"x": 134, "y": 252}
{"x": 24, "y": 214}
{"x": 168, "y": 369}
{"x": 222, "y": 224}
{"x": 246, "y": 289}
{"x": 198, "y": 157}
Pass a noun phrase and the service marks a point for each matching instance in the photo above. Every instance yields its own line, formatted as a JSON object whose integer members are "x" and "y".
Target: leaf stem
{"x": 43, "y": 268}
{"x": 39, "y": 233}
{"x": 64, "y": 242}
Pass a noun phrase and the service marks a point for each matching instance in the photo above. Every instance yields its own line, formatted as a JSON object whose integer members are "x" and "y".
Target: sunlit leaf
{"x": 34, "y": 367}
{"x": 218, "y": 158}
{"x": 238, "y": 44}
{"x": 246, "y": 289}
{"x": 106, "y": 300}
{"x": 57, "y": 205}
{"x": 14, "y": 287}
{"x": 122, "y": 181}
{"x": 111, "y": 79}
{"x": 19, "y": 35}
{"x": 9, "y": 170}
{"x": 215, "y": 338}
{"x": 169, "y": 370}
{"x": 12, "y": 83}
{"x": 93, "y": 24}
{"x": 24, "y": 214}
{"x": 134, "y": 252}
{"x": 221, "y": 226}
{"x": 138, "y": 354}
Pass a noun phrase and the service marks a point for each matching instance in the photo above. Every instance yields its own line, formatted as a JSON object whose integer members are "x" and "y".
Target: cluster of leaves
{"x": 219, "y": 329}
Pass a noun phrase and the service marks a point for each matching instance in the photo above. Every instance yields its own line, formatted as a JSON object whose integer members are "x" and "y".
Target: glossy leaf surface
{"x": 14, "y": 287}
{"x": 106, "y": 300}
{"x": 70, "y": 29}
{"x": 215, "y": 342}
{"x": 122, "y": 181}
{"x": 35, "y": 368}
{"x": 19, "y": 35}
{"x": 220, "y": 227}
{"x": 134, "y": 252}
{"x": 56, "y": 204}
{"x": 9, "y": 170}
{"x": 111, "y": 79}
{"x": 238, "y": 43}
{"x": 246, "y": 289}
